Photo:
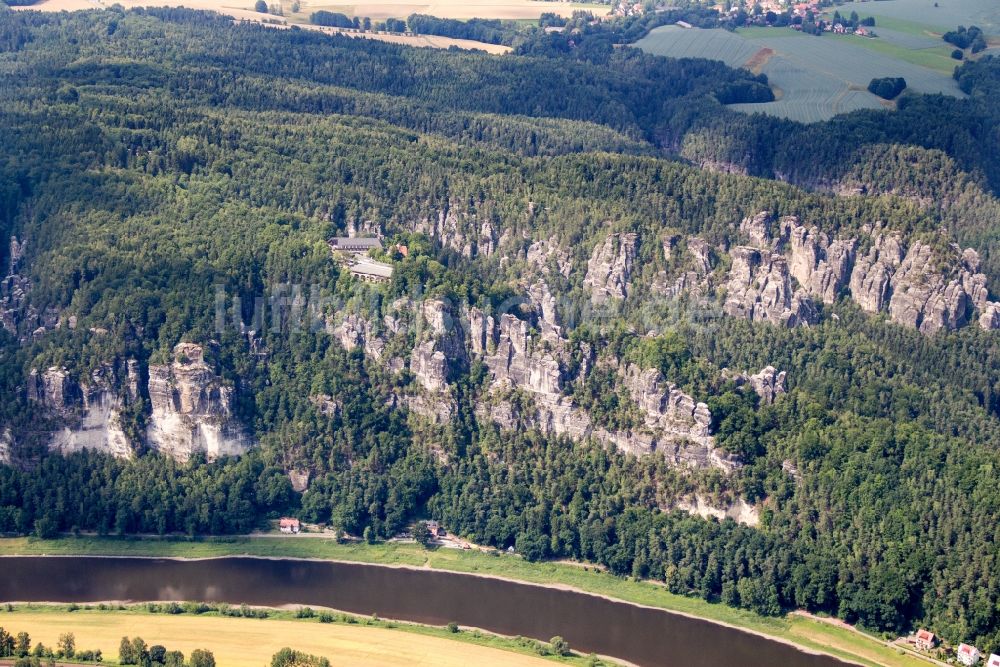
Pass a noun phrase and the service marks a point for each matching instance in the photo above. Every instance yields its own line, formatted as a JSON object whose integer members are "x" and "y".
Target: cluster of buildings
{"x": 965, "y": 654}
{"x": 360, "y": 264}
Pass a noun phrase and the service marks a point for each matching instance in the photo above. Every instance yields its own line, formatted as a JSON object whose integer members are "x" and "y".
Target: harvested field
{"x": 247, "y": 642}
{"x": 426, "y": 41}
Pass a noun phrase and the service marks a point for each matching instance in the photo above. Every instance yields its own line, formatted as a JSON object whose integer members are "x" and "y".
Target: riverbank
{"x": 249, "y": 642}
{"x": 806, "y": 633}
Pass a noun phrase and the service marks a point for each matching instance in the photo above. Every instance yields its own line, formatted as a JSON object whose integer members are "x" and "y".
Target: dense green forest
{"x": 153, "y": 157}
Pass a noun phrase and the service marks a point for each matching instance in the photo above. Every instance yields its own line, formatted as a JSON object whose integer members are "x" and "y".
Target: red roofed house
{"x": 925, "y": 640}
{"x": 287, "y": 525}
{"x": 967, "y": 655}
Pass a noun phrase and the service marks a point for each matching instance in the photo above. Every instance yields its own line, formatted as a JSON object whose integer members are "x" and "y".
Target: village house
{"x": 288, "y": 525}
{"x": 925, "y": 640}
{"x": 994, "y": 660}
{"x": 862, "y": 31}
{"x": 435, "y": 529}
{"x": 967, "y": 655}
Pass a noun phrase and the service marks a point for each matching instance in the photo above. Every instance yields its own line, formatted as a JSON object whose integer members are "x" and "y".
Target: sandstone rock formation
{"x": 740, "y": 511}
{"x": 610, "y": 268}
{"x": 546, "y": 256}
{"x": 768, "y": 384}
{"x": 760, "y": 289}
{"x": 820, "y": 266}
{"x": 192, "y": 409}
{"x": 463, "y": 233}
{"x": 701, "y": 255}
{"x": 757, "y": 228}
{"x": 440, "y": 349}
{"x": 355, "y": 331}
{"x": 88, "y": 414}
{"x": 990, "y": 319}
{"x": 917, "y": 285}
{"x": 6, "y": 447}
{"x": 429, "y": 366}
{"x": 674, "y": 425}
{"x": 924, "y": 299}
{"x": 870, "y": 279}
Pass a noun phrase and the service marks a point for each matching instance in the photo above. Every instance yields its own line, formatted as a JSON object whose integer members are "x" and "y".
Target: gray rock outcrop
{"x": 922, "y": 298}
{"x": 610, "y": 268}
{"x": 701, "y": 255}
{"x": 546, "y": 256}
{"x": 355, "y": 331}
{"x": 430, "y": 367}
{"x": 757, "y": 229}
{"x": 6, "y": 447}
{"x": 990, "y": 318}
{"x": 440, "y": 348}
{"x": 88, "y": 415}
{"x": 820, "y": 266}
{"x": 872, "y": 274}
{"x": 192, "y": 409}
{"x": 463, "y": 233}
{"x": 674, "y": 425}
{"x": 918, "y": 286}
{"x": 760, "y": 289}
{"x": 768, "y": 383}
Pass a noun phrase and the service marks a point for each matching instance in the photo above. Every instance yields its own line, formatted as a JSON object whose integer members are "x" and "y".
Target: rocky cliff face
{"x": 610, "y": 268}
{"x": 760, "y": 289}
{"x": 17, "y": 314}
{"x": 740, "y": 511}
{"x": 768, "y": 384}
{"x": 922, "y": 298}
{"x": 990, "y": 318}
{"x": 467, "y": 234}
{"x": 6, "y": 447}
{"x": 674, "y": 425}
{"x": 89, "y": 413}
{"x": 820, "y": 266}
{"x": 784, "y": 267}
{"x": 787, "y": 267}
{"x": 355, "y": 331}
{"x": 192, "y": 409}
{"x": 439, "y": 350}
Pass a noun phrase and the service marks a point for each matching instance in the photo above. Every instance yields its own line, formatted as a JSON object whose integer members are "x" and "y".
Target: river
{"x": 637, "y": 634}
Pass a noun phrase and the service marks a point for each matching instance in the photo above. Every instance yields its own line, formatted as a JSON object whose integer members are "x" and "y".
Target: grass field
{"x": 248, "y": 642}
{"x": 808, "y": 633}
{"x": 937, "y": 58}
{"x": 818, "y": 77}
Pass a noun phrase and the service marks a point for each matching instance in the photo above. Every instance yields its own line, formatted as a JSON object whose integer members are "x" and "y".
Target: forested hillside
{"x": 592, "y": 330}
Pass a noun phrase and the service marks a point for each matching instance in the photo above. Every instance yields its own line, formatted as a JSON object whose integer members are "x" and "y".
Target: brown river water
{"x": 590, "y": 623}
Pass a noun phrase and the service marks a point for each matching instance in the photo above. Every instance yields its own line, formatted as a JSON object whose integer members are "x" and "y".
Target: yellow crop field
{"x": 247, "y": 642}
{"x": 375, "y": 9}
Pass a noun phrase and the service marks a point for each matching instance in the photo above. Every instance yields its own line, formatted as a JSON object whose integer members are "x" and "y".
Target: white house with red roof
{"x": 925, "y": 640}
{"x": 967, "y": 655}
